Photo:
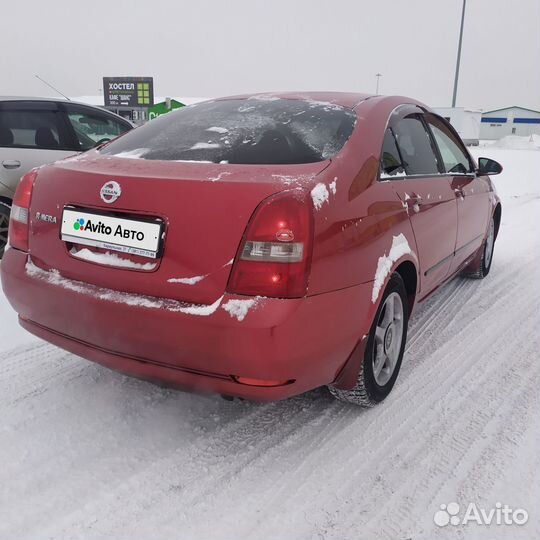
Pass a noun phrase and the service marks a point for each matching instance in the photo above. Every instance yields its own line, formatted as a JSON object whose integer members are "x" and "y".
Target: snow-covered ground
{"x": 87, "y": 453}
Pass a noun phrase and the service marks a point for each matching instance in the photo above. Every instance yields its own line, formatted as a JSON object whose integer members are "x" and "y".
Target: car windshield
{"x": 243, "y": 131}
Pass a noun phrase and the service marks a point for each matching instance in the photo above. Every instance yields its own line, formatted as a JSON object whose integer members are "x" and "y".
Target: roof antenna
{"x": 51, "y": 86}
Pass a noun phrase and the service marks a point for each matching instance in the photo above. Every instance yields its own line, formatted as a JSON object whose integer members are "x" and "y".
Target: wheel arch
{"x": 409, "y": 274}
{"x": 408, "y": 271}
{"x": 6, "y": 200}
{"x": 497, "y": 215}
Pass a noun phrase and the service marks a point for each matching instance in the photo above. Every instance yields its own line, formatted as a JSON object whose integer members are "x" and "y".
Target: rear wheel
{"x": 481, "y": 264}
{"x": 384, "y": 349}
{"x": 5, "y": 210}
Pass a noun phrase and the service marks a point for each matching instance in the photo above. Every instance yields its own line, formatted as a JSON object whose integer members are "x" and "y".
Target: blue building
{"x": 509, "y": 121}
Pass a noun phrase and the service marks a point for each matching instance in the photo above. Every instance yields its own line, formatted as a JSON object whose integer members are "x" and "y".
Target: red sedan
{"x": 255, "y": 246}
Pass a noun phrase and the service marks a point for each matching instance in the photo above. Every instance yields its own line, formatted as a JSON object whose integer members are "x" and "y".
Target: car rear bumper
{"x": 302, "y": 343}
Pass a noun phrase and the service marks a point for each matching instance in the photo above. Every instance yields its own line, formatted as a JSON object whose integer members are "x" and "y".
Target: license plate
{"x": 132, "y": 236}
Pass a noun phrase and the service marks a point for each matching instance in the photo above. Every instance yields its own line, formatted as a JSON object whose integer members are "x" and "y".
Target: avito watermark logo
{"x": 101, "y": 228}
{"x": 500, "y": 514}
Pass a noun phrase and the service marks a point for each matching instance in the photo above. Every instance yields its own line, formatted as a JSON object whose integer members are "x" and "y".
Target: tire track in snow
{"x": 413, "y": 473}
{"x": 463, "y": 375}
{"x": 195, "y": 470}
{"x": 91, "y": 454}
{"x": 457, "y": 454}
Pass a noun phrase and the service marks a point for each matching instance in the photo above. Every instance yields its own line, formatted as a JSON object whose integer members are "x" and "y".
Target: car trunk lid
{"x": 200, "y": 209}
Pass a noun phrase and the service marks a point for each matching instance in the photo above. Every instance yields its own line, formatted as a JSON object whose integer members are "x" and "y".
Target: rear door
{"x": 32, "y": 133}
{"x": 425, "y": 192}
{"x": 471, "y": 191}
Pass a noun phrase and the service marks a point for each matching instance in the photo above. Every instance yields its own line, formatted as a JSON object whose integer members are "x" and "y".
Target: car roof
{"x": 62, "y": 100}
{"x": 50, "y": 100}
{"x": 345, "y": 99}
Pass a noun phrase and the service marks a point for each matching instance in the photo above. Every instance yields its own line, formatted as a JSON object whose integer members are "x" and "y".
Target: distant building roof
{"x": 512, "y": 107}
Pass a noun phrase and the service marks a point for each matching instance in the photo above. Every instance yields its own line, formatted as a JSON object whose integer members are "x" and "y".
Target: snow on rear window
{"x": 262, "y": 132}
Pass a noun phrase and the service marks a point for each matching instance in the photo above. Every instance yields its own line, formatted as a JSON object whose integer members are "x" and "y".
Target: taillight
{"x": 20, "y": 210}
{"x": 275, "y": 254}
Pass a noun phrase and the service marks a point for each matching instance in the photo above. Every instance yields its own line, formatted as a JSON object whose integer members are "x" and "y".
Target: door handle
{"x": 459, "y": 192}
{"x": 11, "y": 164}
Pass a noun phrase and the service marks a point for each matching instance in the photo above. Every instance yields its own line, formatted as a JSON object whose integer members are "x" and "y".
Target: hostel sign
{"x": 128, "y": 91}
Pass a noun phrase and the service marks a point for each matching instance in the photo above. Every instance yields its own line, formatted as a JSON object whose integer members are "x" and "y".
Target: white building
{"x": 509, "y": 121}
{"x": 465, "y": 121}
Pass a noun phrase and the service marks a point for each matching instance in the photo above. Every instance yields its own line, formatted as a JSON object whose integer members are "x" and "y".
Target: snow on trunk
{"x": 187, "y": 281}
{"x": 110, "y": 259}
{"x": 55, "y": 278}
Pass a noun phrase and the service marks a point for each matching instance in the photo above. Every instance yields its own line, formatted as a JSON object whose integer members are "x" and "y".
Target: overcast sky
{"x": 215, "y": 47}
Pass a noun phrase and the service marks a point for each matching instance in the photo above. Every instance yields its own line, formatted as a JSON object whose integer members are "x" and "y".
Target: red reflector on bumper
{"x": 260, "y": 382}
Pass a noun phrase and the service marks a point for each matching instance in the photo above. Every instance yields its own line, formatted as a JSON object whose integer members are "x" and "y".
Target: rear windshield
{"x": 248, "y": 131}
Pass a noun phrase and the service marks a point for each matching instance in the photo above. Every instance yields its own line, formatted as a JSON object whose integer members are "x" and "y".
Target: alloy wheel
{"x": 388, "y": 339}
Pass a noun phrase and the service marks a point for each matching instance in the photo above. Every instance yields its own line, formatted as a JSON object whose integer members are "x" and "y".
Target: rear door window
{"x": 243, "y": 131}
{"x": 391, "y": 163}
{"x": 33, "y": 128}
{"x": 416, "y": 146}
{"x": 92, "y": 127}
{"x": 454, "y": 156}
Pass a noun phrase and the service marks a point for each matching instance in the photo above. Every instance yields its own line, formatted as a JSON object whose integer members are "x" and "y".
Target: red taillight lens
{"x": 20, "y": 210}
{"x": 275, "y": 253}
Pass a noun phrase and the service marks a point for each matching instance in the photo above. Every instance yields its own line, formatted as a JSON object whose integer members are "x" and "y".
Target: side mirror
{"x": 488, "y": 166}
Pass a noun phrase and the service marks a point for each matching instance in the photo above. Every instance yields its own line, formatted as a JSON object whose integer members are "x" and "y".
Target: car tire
{"x": 386, "y": 344}
{"x": 481, "y": 264}
{"x": 5, "y": 211}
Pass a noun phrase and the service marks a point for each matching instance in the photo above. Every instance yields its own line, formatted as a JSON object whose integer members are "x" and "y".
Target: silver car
{"x": 36, "y": 131}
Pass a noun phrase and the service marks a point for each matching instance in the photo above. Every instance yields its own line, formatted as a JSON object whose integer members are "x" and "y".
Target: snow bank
{"x": 400, "y": 247}
{"x": 514, "y": 142}
{"x": 110, "y": 259}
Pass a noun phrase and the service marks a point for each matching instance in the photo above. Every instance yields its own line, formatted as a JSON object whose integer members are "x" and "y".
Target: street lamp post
{"x": 456, "y": 79}
{"x": 378, "y": 75}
